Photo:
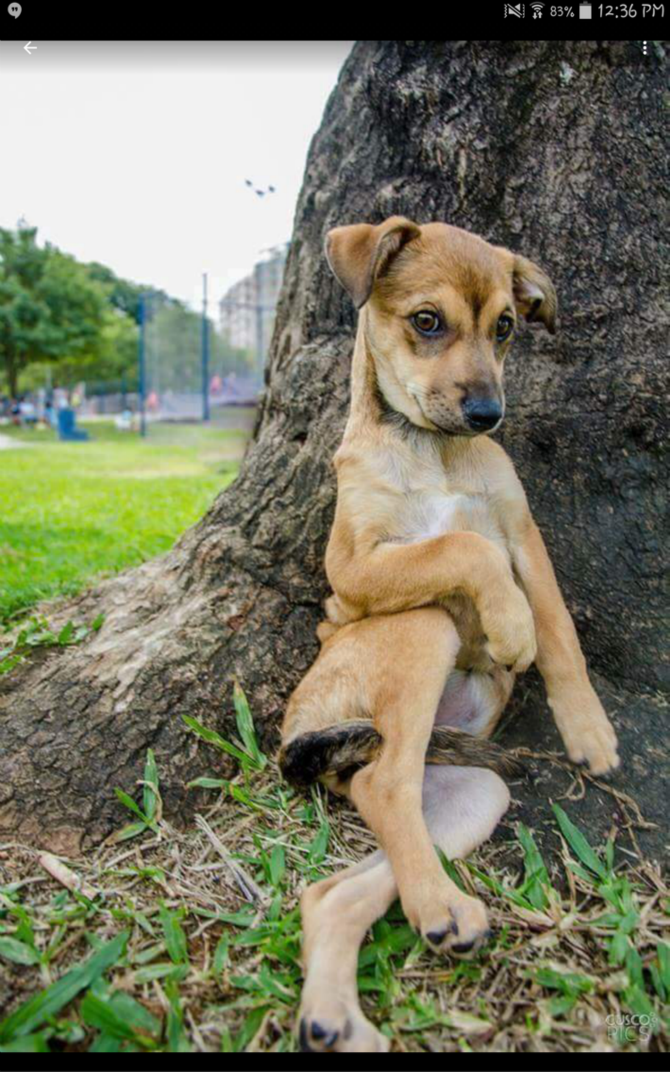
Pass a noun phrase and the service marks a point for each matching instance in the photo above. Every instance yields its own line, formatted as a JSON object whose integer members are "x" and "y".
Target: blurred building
{"x": 247, "y": 310}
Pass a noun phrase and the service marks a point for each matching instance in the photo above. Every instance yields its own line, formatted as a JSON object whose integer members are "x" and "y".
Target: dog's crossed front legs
{"x": 396, "y": 577}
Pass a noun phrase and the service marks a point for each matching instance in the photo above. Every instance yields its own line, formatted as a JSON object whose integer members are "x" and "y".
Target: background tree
{"x": 111, "y": 361}
{"x": 123, "y": 295}
{"x": 556, "y": 149}
{"x": 49, "y": 307}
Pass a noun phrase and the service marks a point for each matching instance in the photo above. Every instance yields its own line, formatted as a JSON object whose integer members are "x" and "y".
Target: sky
{"x": 135, "y": 154}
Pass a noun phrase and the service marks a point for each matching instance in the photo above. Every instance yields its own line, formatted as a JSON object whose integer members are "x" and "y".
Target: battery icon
{"x": 585, "y": 11}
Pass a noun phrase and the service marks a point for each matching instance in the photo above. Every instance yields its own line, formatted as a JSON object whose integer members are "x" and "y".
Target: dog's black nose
{"x": 482, "y": 413}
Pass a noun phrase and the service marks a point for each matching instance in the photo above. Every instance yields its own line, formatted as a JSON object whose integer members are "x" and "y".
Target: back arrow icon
{"x": 29, "y": 47}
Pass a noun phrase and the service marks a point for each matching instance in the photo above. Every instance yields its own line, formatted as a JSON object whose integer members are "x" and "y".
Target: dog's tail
{"x": 342, "y": 749}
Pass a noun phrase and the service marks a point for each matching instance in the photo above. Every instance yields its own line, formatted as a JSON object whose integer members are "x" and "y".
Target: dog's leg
{"x": 585, "y": 728}
{"x": 462, "y": 807}
{"x": 336, "y": 915}
{"x": 417, "y": 651}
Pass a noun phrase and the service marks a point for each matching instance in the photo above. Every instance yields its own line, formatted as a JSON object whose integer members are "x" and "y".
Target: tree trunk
{"x": 554, "y": 149}
{"x": 12, "y": 373}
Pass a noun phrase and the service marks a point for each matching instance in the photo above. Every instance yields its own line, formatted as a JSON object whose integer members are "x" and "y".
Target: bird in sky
{"x": 261, "y": 193}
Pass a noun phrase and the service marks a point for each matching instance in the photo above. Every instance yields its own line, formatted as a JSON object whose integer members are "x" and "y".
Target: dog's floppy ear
{"x": 534, "y": 293}
{"x": 359, "y": 253}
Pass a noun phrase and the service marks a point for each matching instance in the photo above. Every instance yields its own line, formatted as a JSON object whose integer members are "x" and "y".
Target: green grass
{"x": 190, "y": 941}
{"x": 70, "y": 512}
{"x": 171, "y": 941}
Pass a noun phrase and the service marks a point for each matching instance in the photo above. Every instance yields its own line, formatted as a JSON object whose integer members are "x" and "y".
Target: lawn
{"x": 167, "y": 940}
{"x": 71, "y": 512}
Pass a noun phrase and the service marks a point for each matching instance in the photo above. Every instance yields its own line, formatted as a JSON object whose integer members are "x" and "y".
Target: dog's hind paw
{"x": 462, "y": 930}
{"x": 340, "y": 1028}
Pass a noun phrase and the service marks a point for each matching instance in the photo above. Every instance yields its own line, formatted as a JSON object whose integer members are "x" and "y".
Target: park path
{"x": 9, "y": 443}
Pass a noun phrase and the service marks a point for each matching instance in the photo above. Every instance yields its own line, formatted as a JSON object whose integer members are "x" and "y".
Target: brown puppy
{"x": 443, "y": 590}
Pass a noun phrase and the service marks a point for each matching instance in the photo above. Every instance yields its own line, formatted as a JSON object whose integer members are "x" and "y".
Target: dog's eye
{"x": 427, "y": 322}
{"x": 504, "y": 328}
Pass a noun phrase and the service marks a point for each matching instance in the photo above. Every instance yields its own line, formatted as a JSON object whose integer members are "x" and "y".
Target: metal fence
{"x": 188, "y": 369}
{"x": 190, "y": 366}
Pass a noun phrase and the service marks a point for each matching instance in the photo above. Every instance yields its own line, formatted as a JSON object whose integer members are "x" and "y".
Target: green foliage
{"x": 84, "y": 317}
{"x": 111, "y": 365}
{"x": 149, "y": 814}
{"x": 173, "y": 348}
{"x": 569, "y": 986}
{"x": 175, "y": 939}
{"x": 124, "y": 296}
{"x": 246, "y": 751}
{"x": 536, "y": 879}
{"x": 246, "y": 729}
{"x": 50, "y": 308}
{"x": 119, "y": 1019}
{"x": 579, "y": 844}
{"x": 622, "y": 921}
{"x": 39, "y": 1009}
{"x": 36, "y": 633}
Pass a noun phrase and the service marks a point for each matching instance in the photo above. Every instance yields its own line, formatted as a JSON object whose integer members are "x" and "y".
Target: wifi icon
{"x": 537, "y": 10}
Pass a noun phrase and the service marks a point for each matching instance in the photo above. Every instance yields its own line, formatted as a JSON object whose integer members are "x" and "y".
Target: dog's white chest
{"x": 432, "y": 513}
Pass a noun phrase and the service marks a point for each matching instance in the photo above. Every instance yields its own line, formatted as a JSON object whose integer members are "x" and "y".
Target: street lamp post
{"x": 205, "y": 351}
{"x": 142, "y": 366}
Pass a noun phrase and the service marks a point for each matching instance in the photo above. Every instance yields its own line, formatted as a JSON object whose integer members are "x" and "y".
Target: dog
{"x": 443, "y": 591}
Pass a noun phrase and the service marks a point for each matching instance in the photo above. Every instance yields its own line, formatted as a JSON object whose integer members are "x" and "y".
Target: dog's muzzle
{"x": 482, "y": 414}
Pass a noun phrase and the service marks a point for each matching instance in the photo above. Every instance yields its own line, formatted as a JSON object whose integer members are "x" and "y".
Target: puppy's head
{"x": 442, "y": 307}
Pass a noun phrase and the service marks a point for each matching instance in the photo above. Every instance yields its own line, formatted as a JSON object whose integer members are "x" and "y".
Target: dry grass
{"x": 208, "y": 957}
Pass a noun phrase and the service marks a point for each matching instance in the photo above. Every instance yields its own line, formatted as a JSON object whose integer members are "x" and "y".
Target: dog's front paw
{"x": 510, "y": 629}
{"x": 587, "y": 733}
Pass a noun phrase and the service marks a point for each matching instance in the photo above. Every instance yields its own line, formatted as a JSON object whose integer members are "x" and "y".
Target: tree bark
{"x": 556, "y": 150}
{"x": 12, "y": 373}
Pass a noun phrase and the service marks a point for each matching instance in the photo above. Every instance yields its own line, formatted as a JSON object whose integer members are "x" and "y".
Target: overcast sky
{"x": 136, "y": 154}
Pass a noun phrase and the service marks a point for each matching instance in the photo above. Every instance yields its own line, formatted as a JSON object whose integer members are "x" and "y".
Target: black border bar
{"x": 148, "y": 20}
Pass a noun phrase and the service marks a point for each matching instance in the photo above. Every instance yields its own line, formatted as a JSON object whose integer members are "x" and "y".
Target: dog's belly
{"x": 473, "y": 702}
{"x": 430, "y": 514}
